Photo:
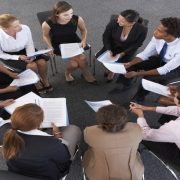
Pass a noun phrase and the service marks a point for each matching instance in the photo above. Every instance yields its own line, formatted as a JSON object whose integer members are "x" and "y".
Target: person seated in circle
{"x": 16, "y": 43}
{"x": 12, "y": 92}
{"x": 61, "y": 28}
{"x": 113, "y": 144}
{"x": 123, "y": 36}
{"x": 32, "y": 152}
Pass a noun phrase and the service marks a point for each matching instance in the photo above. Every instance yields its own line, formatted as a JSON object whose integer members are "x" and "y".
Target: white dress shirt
{"x": 172, "y": 56}
{"x": 169, "y": 132}
{"x": 22, "y": 41}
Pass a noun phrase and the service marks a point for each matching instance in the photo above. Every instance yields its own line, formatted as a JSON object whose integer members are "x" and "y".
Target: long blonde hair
{"x": 6, "y": 20}
{"x": 24, "y": 118}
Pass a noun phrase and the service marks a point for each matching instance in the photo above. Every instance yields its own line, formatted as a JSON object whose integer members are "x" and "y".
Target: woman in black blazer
{"x": 32, "y": 152}
{"x": 123, "y": 36}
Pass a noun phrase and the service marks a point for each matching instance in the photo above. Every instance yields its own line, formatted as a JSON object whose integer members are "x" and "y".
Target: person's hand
{"x": 13, "y": 75}
{"x": 11, "y": 88}
{"x": 135, "y": 108}
{"x": 172, "y": 89}
{"x": 83, "y": 44}
{"x": 131, "y": 74}
{"x": 127, "y": 65}
{"x": 6, "y": 103}
{"x": 56, "y": 131}
{"x": 51, "y": 53}
{"x": 23, "y": 58}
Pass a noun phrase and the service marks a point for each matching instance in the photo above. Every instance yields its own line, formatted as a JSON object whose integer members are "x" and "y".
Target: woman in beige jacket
{"x": 113, "y": 144}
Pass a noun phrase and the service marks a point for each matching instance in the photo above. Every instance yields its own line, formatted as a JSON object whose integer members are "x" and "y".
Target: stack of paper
{"x": 107, "y": 58}
{"x": 25, "y": 78}
{"x": 116, "y": 67}
{"x": 55, "y": 109}
{"x": 36, "y": 53}
{"x": 98, "y": 104}
{"x": 70, "y": 50}
{"x": 155, "y": 87}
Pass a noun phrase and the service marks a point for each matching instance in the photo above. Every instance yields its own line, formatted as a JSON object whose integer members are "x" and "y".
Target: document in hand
{"x": 155, "y": 87}
{"x": 55, "y": 109}
{"x": 98, "y": 104}
{"x": 25, "y": 78}
{"x": 115, "y": 67}
{"x": 36, "y": 53}
{"x": 107, "y": 58}
{"x": 70, "y": 50}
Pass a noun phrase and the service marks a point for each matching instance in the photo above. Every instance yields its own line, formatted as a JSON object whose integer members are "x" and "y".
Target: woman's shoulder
{"x": 133, "y": 127}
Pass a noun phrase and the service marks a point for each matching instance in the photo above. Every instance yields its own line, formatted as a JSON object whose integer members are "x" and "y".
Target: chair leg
{"x": 55, "y": 66}
{"x": 51, "y": 64}
{"x": 94, "y": 65}
{"x": 172, "y": 172}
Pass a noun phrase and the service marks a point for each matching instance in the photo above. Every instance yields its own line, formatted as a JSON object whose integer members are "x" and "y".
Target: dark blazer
{"x": 112, "y": 41}
{"x": 43, "y": 157}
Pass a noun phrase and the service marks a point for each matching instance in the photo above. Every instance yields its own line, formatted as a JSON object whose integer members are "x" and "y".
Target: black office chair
{"x": 113, "y": 17}
{"x": 43, "y": 16}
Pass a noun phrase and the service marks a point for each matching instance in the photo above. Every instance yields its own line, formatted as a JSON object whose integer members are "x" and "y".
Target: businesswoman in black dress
{"x": 61, "y": 28}
{"x": 32, "y": 152}
{"x": 123, "y": 36}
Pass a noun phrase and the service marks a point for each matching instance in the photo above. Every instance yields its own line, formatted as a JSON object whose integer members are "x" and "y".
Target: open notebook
{"x": 55, "y": 109}
{"x": 70, "y": 50}
{"x": 107, "y": 58}
{"x": 25, "y": 78}
{"x": 95, "y": 105}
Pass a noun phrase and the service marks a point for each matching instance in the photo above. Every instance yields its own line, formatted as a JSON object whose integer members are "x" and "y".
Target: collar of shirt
{"x": 173, "y": 42}
{"x": 5, "y": 34}
{"x": 35, "y": 132}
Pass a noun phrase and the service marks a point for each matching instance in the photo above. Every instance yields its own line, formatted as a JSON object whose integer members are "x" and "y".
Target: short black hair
{"x": 173, "y": 26}
{"x": 130, "y": 15}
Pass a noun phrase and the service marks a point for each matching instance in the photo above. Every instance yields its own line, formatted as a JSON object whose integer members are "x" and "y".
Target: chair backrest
{"x": 43, "y": 16}
{"x": 142, "y": 21}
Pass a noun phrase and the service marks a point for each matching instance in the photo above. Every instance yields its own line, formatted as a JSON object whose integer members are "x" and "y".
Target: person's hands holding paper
{"x": 10, "y": 89}
{"x": 13, "y": 75}
{"x": 56, "y": 131}
{"x": 131, "y": 74}
{"x": 6, "y": 103}
{"x": 172, "y": 89}
{"x": 83, "y": 44}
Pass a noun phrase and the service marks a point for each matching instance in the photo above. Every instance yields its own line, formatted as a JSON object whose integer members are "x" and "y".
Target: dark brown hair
{"x": 6, "y": 20}
{"x": 130, "y": 15}
{"x": 59, "y": 7}
{"x": 173, "y": 26}
{"x": 112, "y": 118}
{"x": 24, "y": 118}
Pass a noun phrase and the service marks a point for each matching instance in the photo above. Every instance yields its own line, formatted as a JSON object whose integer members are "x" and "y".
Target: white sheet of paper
{"x": 28, "y": 98}
{"x": 107, "y": 58}
{"x": 155, "y": 87}
{"x": 25, "y": 78}
{"x": 115, "y": 67}
{"x": 70, "y": 50}
{"x": 95, "y": 105}
{"x": 55, "y": 109}
{"x": 174, "y": 83}
{"x": 36, "y": 53}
